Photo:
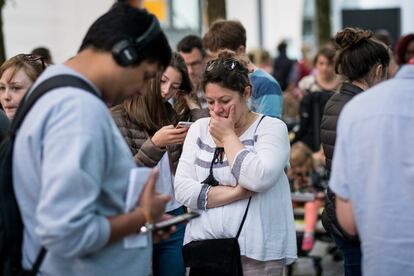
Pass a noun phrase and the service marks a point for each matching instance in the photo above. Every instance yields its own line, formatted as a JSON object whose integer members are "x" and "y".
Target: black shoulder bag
{"x": 218, "y": 257}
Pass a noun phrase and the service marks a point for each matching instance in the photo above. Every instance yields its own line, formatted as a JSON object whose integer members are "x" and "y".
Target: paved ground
{"x": 304, "y": 266}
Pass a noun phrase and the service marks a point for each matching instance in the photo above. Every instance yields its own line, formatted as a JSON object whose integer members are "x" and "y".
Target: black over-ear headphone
{"x": 126, "y": 51}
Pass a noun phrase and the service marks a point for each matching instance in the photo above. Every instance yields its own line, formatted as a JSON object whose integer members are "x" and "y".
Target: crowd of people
{"x": 261, "y": 129}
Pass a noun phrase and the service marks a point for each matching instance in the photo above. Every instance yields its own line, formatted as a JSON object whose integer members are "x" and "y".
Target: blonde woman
{"x": 17, "y": 76}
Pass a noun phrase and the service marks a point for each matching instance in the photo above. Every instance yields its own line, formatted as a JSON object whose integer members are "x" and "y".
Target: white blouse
{"x": 268, "y": 232}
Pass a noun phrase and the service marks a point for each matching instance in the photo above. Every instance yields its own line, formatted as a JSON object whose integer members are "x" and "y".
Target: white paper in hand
{"x": 137, "y": 179}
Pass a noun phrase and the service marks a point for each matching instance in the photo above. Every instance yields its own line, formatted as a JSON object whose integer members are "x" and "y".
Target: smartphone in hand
{"x": 184, "y": 124}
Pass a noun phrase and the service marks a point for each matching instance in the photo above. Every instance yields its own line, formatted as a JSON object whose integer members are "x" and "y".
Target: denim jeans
{"x": 167, "y": 255}
{"x": 352, "y": 255}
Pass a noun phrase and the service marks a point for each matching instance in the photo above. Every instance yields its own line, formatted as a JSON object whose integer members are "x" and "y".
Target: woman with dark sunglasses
{"x": 17, "y": 76}
{"x": 232, "y": 156}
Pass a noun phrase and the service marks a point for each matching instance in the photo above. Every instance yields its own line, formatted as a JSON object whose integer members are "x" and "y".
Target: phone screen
{"x": 184, "y": 124}
{"x": 175, "y": 220}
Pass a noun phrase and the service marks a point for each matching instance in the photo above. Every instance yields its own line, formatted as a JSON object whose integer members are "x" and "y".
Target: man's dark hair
{"x": 384, "y": 36}
{"x": 225, "y": 34}
{"x": 44, "y": 53}
{"x": 124, "y": 22}
{"x": 189, "y": 42}
{"x": 282, "y": 47}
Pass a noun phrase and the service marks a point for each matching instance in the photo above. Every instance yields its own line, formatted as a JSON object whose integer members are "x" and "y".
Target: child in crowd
{"x": 306, "y": 176}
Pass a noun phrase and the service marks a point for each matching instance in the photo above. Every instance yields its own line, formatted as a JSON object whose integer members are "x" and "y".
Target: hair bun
{"x": 351, "y": 36}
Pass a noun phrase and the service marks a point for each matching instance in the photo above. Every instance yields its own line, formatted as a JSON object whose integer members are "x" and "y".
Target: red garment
{"x": 303, "y": 69}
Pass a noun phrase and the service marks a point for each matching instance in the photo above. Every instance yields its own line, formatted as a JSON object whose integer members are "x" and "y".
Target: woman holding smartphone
{"x": 184, "y": 100}
{"x": 232, "y": 156}
{"x": 148, "y": 125}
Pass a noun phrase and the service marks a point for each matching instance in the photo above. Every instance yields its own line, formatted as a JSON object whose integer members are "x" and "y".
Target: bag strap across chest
{"x": 250, "y": 198}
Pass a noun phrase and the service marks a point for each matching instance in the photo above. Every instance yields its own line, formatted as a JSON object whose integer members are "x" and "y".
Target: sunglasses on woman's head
{"x": 229, "y": 64}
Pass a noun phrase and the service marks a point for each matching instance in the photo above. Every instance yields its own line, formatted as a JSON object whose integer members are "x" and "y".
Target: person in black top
{"x": 362, "y": 61}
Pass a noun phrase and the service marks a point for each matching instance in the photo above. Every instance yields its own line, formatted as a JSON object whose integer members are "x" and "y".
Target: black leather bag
{"x": 219, "y": 257}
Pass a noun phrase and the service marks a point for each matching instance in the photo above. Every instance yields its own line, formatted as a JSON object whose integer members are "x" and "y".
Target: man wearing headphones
{"x": 70, "y": 164}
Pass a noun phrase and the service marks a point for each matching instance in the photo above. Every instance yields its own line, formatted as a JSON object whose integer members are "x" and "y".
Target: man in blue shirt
{"x": 192, "y": 51}
{"x": 229, "y": 34}
{"x": 71, "y": 165}
{"x": 373, "y": 174}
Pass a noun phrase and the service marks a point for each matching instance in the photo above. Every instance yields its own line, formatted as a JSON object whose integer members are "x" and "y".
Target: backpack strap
{"x": 58, "y": 81}
{"x": 47, "y": 85}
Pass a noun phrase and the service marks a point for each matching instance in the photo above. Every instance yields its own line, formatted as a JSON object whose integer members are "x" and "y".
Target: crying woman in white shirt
{"x": 256, "y": 151}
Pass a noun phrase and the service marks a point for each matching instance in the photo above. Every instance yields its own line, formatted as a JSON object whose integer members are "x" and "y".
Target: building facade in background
{"x": 61, "y": 24}
{"x": 395, "y": 16}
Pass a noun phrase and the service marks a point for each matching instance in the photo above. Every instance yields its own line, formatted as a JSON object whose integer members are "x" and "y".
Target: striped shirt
{"x": 268, "y": 232}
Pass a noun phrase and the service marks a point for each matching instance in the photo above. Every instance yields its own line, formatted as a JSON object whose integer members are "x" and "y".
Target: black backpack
{"x": 11, "y": 226}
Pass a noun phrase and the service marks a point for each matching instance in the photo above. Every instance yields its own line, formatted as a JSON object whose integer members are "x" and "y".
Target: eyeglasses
{"x": 229, "y": 64}
{"x": 30, "y": 58}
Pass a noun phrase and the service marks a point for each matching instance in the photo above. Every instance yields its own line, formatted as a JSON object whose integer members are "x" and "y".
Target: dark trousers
{"x": 167, "y": 255}
{"x": 352, "y": 255}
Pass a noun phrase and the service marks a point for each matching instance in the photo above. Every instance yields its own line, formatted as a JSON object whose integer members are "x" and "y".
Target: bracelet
{"x": 206, "y": 198}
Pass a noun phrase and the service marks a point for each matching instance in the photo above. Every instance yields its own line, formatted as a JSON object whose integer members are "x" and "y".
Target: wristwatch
{"x": 148, "y": 227}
